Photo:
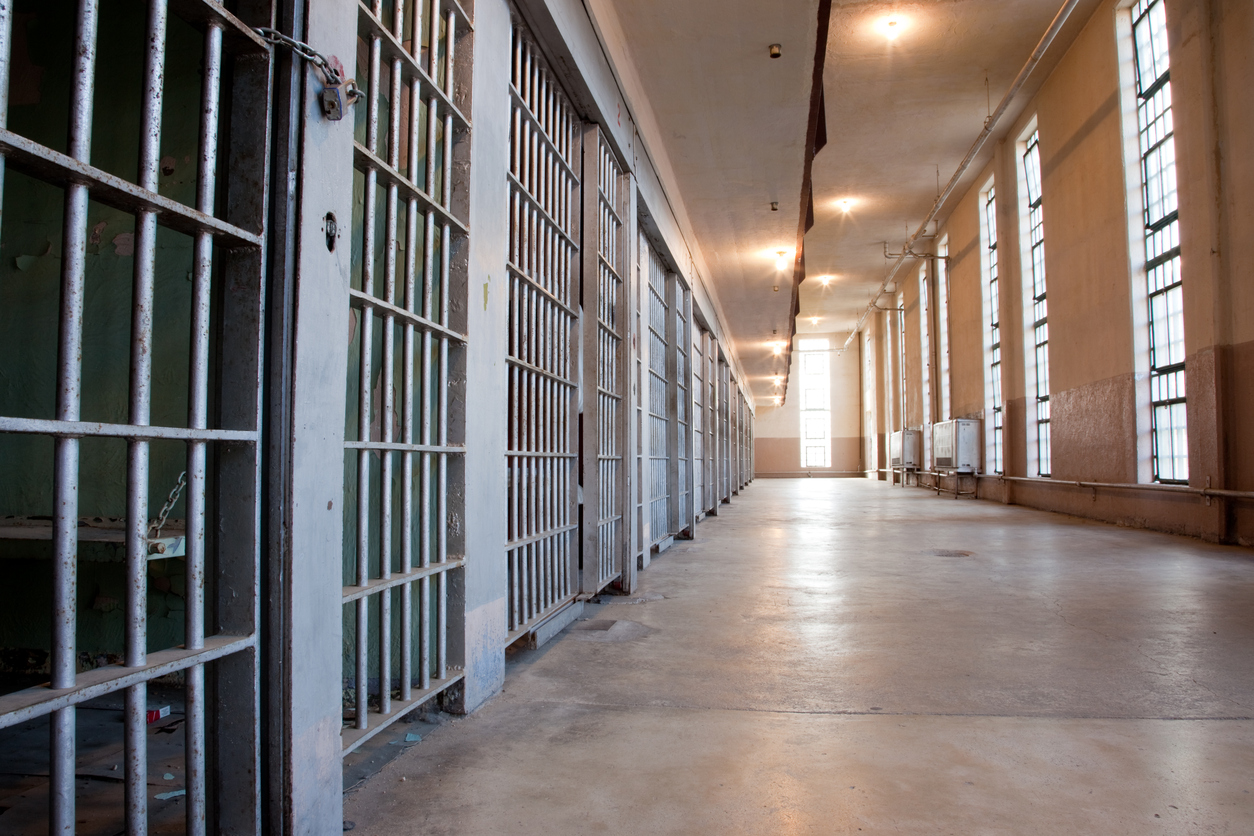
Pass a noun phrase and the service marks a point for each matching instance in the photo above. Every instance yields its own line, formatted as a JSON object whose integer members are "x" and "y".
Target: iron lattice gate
{"x": 180, "y": 255}
{"x": 659, "y": 390}
{"x": 545, "y": 145}
{"x": 605, "y": 320}
{"x": 699, "y": 440}
{"x": 715, "y": 433}
{"x": 680, "y": 341}
{"x": 402, "y": 507}
{"x": 725, "y": 427}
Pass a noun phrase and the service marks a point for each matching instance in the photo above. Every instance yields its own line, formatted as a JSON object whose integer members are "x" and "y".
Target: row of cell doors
{"x": 619, "y": 416}
{"x": 193, "y": 348}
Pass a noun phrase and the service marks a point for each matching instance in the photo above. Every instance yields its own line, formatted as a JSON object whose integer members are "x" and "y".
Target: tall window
{"x": 1040, "y": 310}
{"x": 942, "y": 326}
{"x": 816, "y": 403}
{"x": 994, "y": 329}
{"x": 1162, "y": 243}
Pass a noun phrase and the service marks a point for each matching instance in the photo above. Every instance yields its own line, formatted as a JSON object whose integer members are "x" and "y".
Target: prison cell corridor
{"x": 844, "y": 656}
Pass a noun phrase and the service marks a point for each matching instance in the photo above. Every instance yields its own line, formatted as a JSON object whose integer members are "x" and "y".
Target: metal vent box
{"x": 903, "y": 449}
{"x": 956, "y": 445}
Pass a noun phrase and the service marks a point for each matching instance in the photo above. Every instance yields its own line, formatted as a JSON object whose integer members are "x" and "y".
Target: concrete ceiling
{"x": 734, "y": 121}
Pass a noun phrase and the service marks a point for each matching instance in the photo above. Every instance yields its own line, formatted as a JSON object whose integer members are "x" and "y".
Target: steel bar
{"x": 368, "y": 160}
{"x": 354, "y": 738}
{"x": 69, "y": 404}
{"x": 198, "y": 417}
{"x": 20, "y": 706}
{"x": 402, "y": 447}
{"x": 95, "y": 429}
{"x": 361, "y": 300}
{"x": 399, "y": 579}
{"x": 6, "y": 57}
{"x": 135, "y": 717}
{"x": 78, "y": 176}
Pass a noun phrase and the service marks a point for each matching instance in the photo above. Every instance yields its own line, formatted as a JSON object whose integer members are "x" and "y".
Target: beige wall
{"x": 1094, "y": 264}
{"x": 777, "y": 441}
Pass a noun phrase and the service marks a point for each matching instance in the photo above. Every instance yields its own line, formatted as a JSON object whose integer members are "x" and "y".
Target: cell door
{"x": 546, "y": 142}
{"x": 405, "y": 311}
{"x": 605, "y": 324}
{"x": 659, "y": 389}
{"x": 131, "y": 312}
{"x": 726, "y": 425}
{"x": 679, "y": 372}
{"x": 712, "y": 423}
{"x": 698, "y": 421}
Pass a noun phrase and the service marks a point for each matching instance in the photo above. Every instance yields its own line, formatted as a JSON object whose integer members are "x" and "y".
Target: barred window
{"x": 994, "y": 330}
{"x": 1169, "y": 430}
{"x": 1040, "y": 308}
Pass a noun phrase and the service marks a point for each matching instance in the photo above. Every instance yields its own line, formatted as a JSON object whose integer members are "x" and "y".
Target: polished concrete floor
{"x": 838, "y": 656}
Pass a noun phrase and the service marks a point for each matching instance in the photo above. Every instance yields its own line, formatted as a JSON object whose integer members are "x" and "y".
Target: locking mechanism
{"x": 338, "y": 92}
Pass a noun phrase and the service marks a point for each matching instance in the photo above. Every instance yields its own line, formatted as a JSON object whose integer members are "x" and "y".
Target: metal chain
{"x": 276, "y": 38}
{"x": 156, "y": 527}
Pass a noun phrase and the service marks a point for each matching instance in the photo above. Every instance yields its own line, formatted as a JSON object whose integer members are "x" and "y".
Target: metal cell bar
{"x": 135, "y": 715}
{"x": 20, "y": 706}
{"x": 393, "y": 50}
{"x": 542, "y": 259}
{"x": 69, "y": 398}
{"x": 424, "y": 439}
{"x": 79, "y": 176}
{"x": 6, "y": 49}
{"x": 198, "y": 417}
{"x": 377, "y": 585}
{"x": 96, "y": 429}
{"x": 367, "y": 160}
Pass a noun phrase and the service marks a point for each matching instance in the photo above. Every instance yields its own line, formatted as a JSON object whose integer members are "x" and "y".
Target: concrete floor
{"x": 838, "y": 656}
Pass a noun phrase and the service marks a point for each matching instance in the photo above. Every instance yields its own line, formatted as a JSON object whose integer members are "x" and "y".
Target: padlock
{"x": 333, "y": 102}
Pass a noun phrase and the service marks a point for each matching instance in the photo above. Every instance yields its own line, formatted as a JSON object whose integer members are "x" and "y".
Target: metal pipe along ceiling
{"x": 989, "y": 125}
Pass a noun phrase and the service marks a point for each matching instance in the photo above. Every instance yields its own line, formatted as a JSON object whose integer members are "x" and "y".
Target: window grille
{"x": 994, "y": 331}
{"x": 1162, "y": 243}
{"x": 942, "y": 327}
{"x": 1040, "y": 308}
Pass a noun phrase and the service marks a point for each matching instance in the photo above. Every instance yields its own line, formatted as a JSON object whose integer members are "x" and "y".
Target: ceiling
{"x": 901, "y": 113}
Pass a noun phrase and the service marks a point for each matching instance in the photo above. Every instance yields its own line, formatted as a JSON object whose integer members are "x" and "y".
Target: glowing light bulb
{"x": 845, "y": 204}
{"x": 825, "y": 280}
{"x": 892, "y": 26}
{"x": 814, "y": 320}
{"x": 781, "y": 263}
{"x": 777, "y": 349}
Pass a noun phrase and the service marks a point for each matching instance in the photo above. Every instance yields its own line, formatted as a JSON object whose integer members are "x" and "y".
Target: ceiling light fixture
{"x": 845, "y": 204}
{"x": 779, "y": 400}
{"x": 814, "y": 320}
{"x": 777, "y": 348}
{"x": 825, "y": 280}
{"x": 781, "y": 262}
{"x": 776, "y": 50}
{"x": 892, "y": 26}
